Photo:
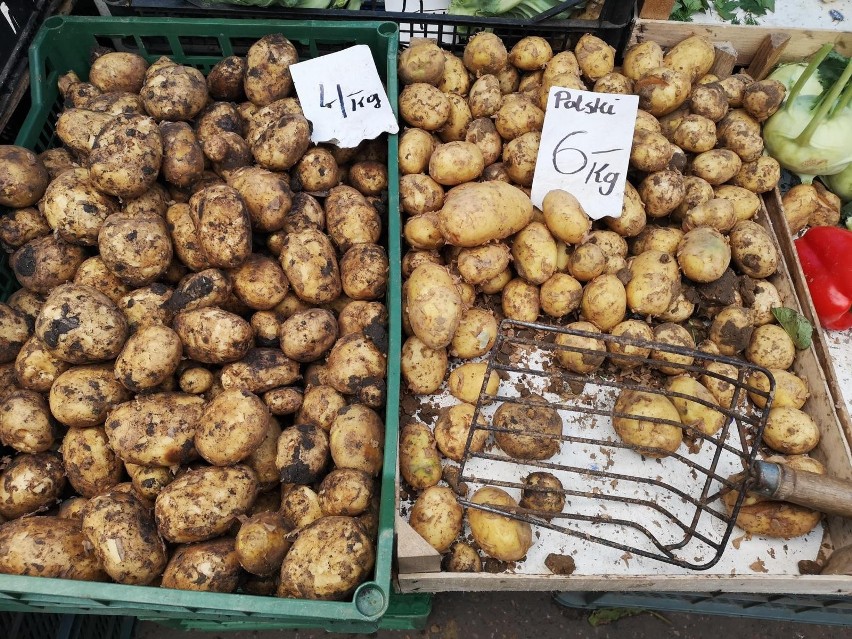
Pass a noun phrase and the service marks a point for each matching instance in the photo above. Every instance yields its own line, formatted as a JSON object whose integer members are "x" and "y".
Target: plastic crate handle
{"x": 559, "y": 8}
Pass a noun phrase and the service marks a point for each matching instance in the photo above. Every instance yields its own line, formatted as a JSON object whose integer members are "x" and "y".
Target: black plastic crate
{"x": 28, "y": 625}
{"x": 451, "y": 31}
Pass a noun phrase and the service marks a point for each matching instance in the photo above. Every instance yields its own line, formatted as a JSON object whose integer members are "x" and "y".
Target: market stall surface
{"x": 525, "y": 615}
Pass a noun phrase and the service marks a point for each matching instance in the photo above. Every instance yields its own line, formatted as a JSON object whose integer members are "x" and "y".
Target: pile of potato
{"x": 192, "y": 370}
{"x": 684, "y": 264}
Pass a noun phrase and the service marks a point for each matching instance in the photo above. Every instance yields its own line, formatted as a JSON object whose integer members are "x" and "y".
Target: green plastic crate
{"x": 63, "y": 44}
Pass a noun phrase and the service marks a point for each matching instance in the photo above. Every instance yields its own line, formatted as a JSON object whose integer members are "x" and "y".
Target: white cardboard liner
{"x": 745, "y": 554}
{"x": 840, "y": 349}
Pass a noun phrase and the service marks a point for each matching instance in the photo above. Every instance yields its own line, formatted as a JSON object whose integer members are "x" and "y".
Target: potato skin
{"x": 125, "y": 538}
{"x": 790, "y": 431}
{"x": 126, "y": 156}
{"x": 23, "y": 177}
{"x": 47, "y": 547}
{"x": 651, "y": 439}
{"x": 419, "y": 462}
{"x": 433, "y": 304}
{"x": 136, "y": 248}
{"x": 307, "y": 335}
{"x": 149, "y": 357}
{"x": 183, "y": 159}
{"x": 232, "y": 426}
{"x": 223, "y": 225}
{"x": 267, "y": 77}
{"x": 46, "y": 262}
{"x": 30, "y": 483}
{"x": 90, "y": 464}
{"x": 262, "y": 369}
{"x": 311, "y": 267}
{"x": 209, "y": 566}
{"x": 14, "y": 333}
{"x": 82, "y": 396}
{"x": 356, "y": 439}
{"x": 364, "y": 272}
{"x": 535, "y": 431}
{"x": 476, "y": 213}
{"x": 219, "y": 495}
{"x": 118, "y": 71}
{"x": 261, "y": 543}
{"x": 423, "y": 106}
{"x": 174, "y": 418}
{"x": 75, "y": 208}
{"x": 19, "y": 226}
{"x": 213, "y": 336}
{"x": 225, "y": 80}
{"x": 329, "y": 558}
{"x": 498, "y": 536}
{"x": 25, "y": 422}
{"x": 174, "y": 92}
{"x": 437, "y": 517}
{"x": 423, "y": 368}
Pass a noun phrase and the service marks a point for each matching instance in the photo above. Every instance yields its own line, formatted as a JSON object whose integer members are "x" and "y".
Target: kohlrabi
{"x": 810, "y": 134}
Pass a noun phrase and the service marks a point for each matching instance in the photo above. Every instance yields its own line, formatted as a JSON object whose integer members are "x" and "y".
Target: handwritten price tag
{"x": 343, "y": 97}
{"x": 585, "y": 148}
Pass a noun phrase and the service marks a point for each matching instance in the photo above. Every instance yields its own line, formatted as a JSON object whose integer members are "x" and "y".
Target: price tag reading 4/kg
{"x": 343, "y": 97}
{"x": 585, "y": 148}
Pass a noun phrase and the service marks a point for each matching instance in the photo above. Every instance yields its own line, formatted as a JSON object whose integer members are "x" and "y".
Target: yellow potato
{"x": 604, "y": 302}
{"x": 499, "y": 536}
{"x": 692, "y": 413}
{"x": 565, "y": 217}
{"x": 474, "y": 214}
{"x": 475, "y": 335}
{"x": 578, "y": 362}
{"x": 560, "y": 295}
{"x": 422, "y": 368}
{"x": 520, "y": 300}
{"x": 437, "y": 517}
{"x": 693, "y": 56}
{"x": 790, "y": 431}
{"x": 641, "y": 58}
{"x": 419, "y": 463}
{"x": 465, "y": 382}
{"x": 534, "y": 253}
{"x": 433, "y": 304}
{"x": 634, "y": 330}
{"x": 452, "y": 431}
{"x": 790, "y": 389}
{"x": 676, "y": 335}
{"x": 456, "y": 162}
{"x": 649, "y": 438}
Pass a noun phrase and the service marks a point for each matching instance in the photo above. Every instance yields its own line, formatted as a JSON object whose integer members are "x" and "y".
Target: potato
{"x": 25, "y": 422}
{"x": 174, "y": 92}
{"x": 148, "y": 481}
{"x": 456, "y": 162}
{"x": 356, "y": 439}
{"x": 662, "y": 90}
{"x": 746, "y": 204}
{"x": 422, "y": 61}
{"x": 415, "y": 149}
{"x": 437, "y": 517}
{"x": 695, "y": 133}
{"x": 759, "y": 176}
{"x": 478, "y": 213}
{"x": 75, "y": 208}
{"x": 90, "y": 464}
{"x": 675, "y": 335}
{"x": 577, "y": 362}
{"x": 651, "y": 152}
{"x": 498, "y": 283}
{"x": 167, "y": 440}
{"x": 433, "y": 304}
{"x": 766, "y": 297}
{"x": 81, "y": 325}
{"x": 126, "y": 156}
{"x": 528, "y": 431}
{"x": 262, "y": 369}
{"x": 422, "y": 368}
{"x": 95, "y": 273}
{"x": 303, "y": 453}
{"x": 455, "y": 128}
{"x": 316, "y": 171}
{"x": 499, "y": 536}
{"x": 717, "y": 213}
{"x": 203, "y": 503}
{"x": 346, "y": 492}
{"x": 210, "y": 566}
{"x": 310, "y": 264}
{"x": 654, "y": 283}
{"x": 146, "y": 306}
{"x": 633, "y": 330}
{"x": 565, "y": 217}
{"x": 790, "y": 431}
{"x": 19, "y": 226}
{"x": 149, "y": 357}
{"x": 696, "y": 191}
{"x": 465, "y": 382}
{"x": 299, "y": 506}
{"x": 709, "y": 101}
{"x": 604, "y": 302}
{"x": 281, "y": 143}
{"x": 703, "y": 254}
{"x": 791, "y": 391}
{"x": 762, "y": 98}
{"x": 586, "y": 262}
{"x": 771, "y": 347}
{"x": 560, "y": 295}
{"x": 46, "y": 262}
{"x": 477, "y": 265}
{"x": 267, "y": 77}
{"x": 642, "y": 419}
{"x": 517, "y": 116}
{"x": 31, "y": 482}
{"x": 419, "y": 463}
{"x": 118, "y": 71}
{"x": 632, "y": 219}
{"x": 78, "y": 128}
{"x": 231, "y": 427}
{"x": 225, "y": 80}
{"x": 543, "y": 493}
{"x": 452, "y": 431}
{"x": 614, "y": 83}
{"x": 320, "y": 406}
{"x": 693, "y": 55}
{"x": 71, "y": 509}
{"x": 721, "y": 389}
{"x": 15, "y": 332}
{"x": 266, "y": 196}
{"x": 135, "y": 248}
{"x": 57, "y": 161}
{"x": 519, "y": 157}
{"x": 736, "y": 123}
{"x": 595, "y": 57}
{"x": 752, "y": 250}
{"x": 661, "y": 193}
{"x": 48, "y": 547}
{"x": 124, "y": 536}
{"x": 462, "y": 558}
{"x": 657, "y": 238}
{"x": 641, "y": 58}
{"x": 731, "y": 329}
{"x": 703, "y": 418}
{"x": 423, "y": 106}
{"x": 213, "y": 336}
{"x": 680, "y": 310}
{"x": 82, "y": 396}
{"x": 308, "y": 335}
{"x": 422, "y": 232}
{"x": 716, "y": 166}
{"x": 371, "y": 177}
{"x": 530, "y": 53}
{"x": 357, "y": 366}
{"x": 746, "y": 143}
{"x": 223, "y": 225}
{"x": 475, "y": 335}
{"x": 370, "y": 318}
{"x": 485, "y": 53}
{"x": 261, "y": 543}
{"x": 534, "y": 253}
{"x": 327, "y": 561}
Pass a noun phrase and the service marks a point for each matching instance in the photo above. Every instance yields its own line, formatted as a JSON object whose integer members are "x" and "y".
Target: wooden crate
{"x": 419, "y": 564}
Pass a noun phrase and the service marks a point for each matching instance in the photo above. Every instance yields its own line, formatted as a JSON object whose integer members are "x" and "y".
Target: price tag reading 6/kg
{"x": 343, "y": 97}
{"x": 585, "y": 148}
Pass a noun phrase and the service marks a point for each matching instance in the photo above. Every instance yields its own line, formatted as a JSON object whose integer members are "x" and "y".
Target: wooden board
{"x": 788, "y": 252}
{"x": 833, "y": 451}
{"x": 746, "y": 39}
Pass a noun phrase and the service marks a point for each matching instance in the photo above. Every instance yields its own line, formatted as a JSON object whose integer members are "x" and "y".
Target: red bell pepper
{"x": 826, "y": 256}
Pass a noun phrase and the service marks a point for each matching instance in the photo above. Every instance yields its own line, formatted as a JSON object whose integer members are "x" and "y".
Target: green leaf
{"x": 757, "y": 7}
{"x": 831, "y": 69}
{"x": 751, "y": 20}
{"x": 726, "y": 9}
{"x": 604, "y": 616}
{"x": 797, "y": 326}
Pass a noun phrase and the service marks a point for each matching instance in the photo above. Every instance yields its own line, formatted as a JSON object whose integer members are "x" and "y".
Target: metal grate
{"x": 668, "y": 508}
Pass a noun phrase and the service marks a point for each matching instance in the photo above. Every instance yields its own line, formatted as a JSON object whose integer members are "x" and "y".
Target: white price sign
{"x": 585, "y": 148}
{"x": 343, "y": 97}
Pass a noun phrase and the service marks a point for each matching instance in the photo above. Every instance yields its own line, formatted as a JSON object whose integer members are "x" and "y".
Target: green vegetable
{"x": 525, "y": 9}
{"x": 809, "y": 135}
{"x": 840, "y": 183}
{"x": 798, "y": 328}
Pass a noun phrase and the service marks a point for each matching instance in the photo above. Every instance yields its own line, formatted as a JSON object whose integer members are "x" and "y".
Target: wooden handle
{"x": 827, "y": 495}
